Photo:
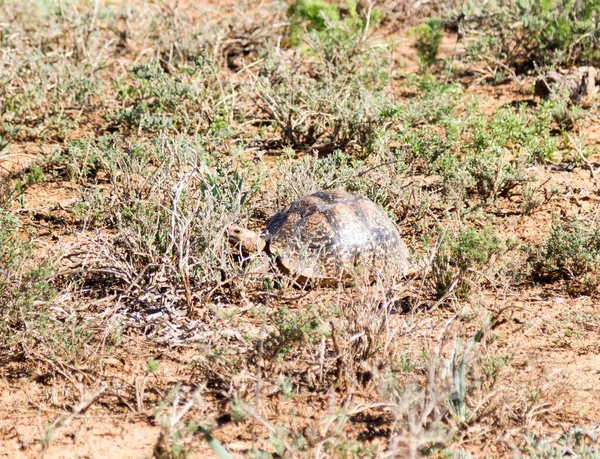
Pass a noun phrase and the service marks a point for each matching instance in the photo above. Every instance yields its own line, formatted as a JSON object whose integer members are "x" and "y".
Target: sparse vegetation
{"x": 24, "y": 285}
{"x": 571, "y": 253}
{"x": 134, "y": 134}
{"x": 334, "y": 101}
{"x": 520, "y": 35}
{"x": 428, "y": 37}
{"x": 323, "y": 18}
{"x": 461, "y": 259}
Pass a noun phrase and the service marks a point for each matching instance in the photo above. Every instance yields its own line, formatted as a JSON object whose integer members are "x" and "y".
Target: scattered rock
{"x": 112, "y": 362}
{"x": 580, "y": 84}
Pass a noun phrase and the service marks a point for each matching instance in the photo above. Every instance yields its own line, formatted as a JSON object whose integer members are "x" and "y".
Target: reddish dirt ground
{"x": 554, "y": 338}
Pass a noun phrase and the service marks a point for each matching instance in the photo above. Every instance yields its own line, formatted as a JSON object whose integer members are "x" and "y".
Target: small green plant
{"x": 21, "y": 284}
{"x": 292, "y": 330}
{"x": 92, "y": 209}
{"x": 68, "y": 342}
{"x": 34, "y": 175}
{"x": 406, "y": 365}
{"x": 492, "y": 366}
{"x": 324, "y": 18}
{"x": 461, "y": 258}
{"x": 315, "y": 13}
{"x": 286, "y": 388}
{"x": 154, "y": 100}
{"x": 522, "y": 34}
{"x": 48, "y": 437}
{"x": 428, "y": 37}
{"x": 572, "y": 254}
{"x": 152, "y": 365}
{"x": 532, "y": 199}
{"x": 460, "y": 365}
{"x": 214, "y": 444}
{"x": 560, "y": 107}
{"x": 334, "y": 104}
{"x": 175, "y": 433}
{"x": 239, "y": 410}
{"x": 581, "y": 442}
{"x": 226, "y": 185}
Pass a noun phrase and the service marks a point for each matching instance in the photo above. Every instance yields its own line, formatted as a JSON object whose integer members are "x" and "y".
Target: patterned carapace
{"x": 328, "y": 234}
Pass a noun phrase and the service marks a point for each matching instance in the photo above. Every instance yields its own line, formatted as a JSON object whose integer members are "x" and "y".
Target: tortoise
{"x": 328, "y": 235}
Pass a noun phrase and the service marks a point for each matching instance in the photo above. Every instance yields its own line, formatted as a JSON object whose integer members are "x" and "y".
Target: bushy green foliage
{"x": 460, "y": 364}
{"x": 336, "y": 100}
{"x": 47, "y": 85}
{"x": 316, "y": 13}
{"x": 292, "y": 330}
{"x": 163, "y": 220}
{"x": 446, "y": 133}
{"x": 582, "y": 442}
{"x": 559, "y": 107}
{"x": 324, "y": 18}
{"x": 183, "y": 101}
{"x": 462, "y": 257}
{"x": 428, "y": 38}
{"x": 524, "y": 33}
{"x": 52, "y": 86}
{"x": 563, "y": 31}
{"x": 173, "y": 441}
{"x": 21, "y": 282}
{"x": 571, "y": 253}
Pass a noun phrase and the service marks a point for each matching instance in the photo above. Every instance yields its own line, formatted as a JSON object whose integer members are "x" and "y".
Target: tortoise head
{"x": 248, "y": 241}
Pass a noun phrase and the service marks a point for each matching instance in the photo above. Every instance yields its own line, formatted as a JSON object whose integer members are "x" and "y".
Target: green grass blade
{"x": 215, "y": 445}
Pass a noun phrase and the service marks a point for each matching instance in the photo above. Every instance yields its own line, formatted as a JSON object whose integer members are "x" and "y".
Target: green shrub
{"x": 582, "y": 442}
{"x": 336, "y": 100}
{"x": 525, "y": 33}
{"x": 428, "y": 38}
{"x": 324, "y": 18}
{"x": 461, "y": 258}
{"x": 50, "y": 85}
{"x": 572, "y": 254}
{"x": 163, "y": 220}
{"x": 292, "y": 330}
{"x": 22, "y": 282}
{"x": 316, "y": 13}
{"x": 184, "y": 101}
{"x": 446, "y": 133}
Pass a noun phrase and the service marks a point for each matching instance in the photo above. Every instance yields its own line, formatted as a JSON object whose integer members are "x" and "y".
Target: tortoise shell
{"x": 328, "y": 234}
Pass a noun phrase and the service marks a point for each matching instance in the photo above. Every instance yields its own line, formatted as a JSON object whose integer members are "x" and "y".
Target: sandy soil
{"x": 554, "y": 338}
